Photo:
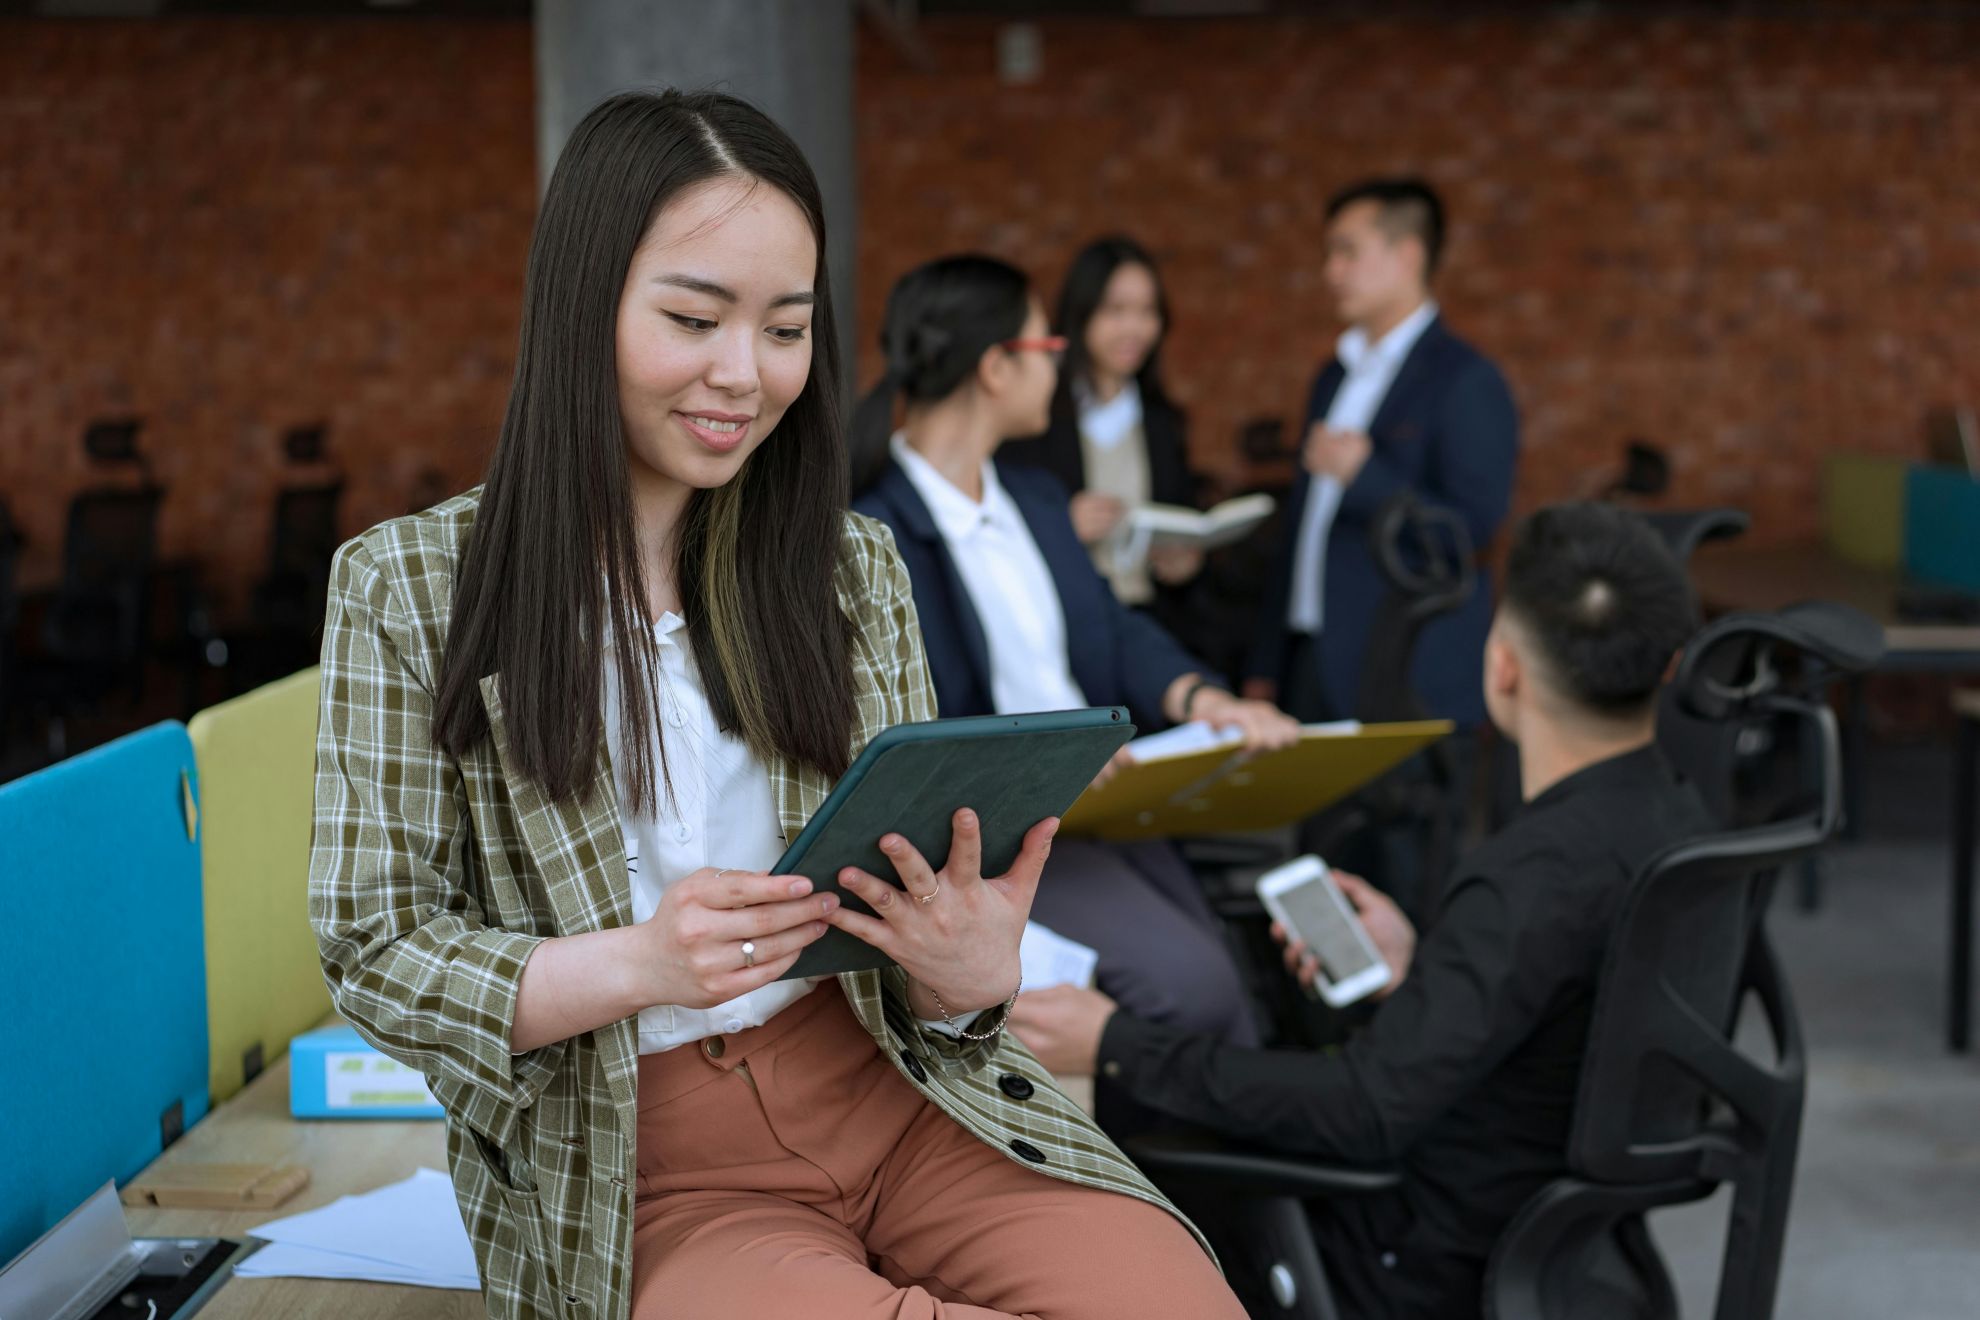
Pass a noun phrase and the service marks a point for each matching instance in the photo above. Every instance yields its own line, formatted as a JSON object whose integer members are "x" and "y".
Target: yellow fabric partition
{"x": 257, "y": 769}
{"x": 1863, "y": 508}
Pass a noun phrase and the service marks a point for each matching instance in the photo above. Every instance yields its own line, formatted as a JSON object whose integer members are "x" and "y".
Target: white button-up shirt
{"x": 721, "y": 813}
{"x": 1009, "y": 583}
{"x": 1371, "y": 370}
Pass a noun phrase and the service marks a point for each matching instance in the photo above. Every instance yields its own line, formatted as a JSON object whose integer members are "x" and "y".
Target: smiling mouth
{"x": 710, "y": 424}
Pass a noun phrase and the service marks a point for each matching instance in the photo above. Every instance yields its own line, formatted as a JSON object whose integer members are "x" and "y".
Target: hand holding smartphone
{"x": 1303, "y": 897}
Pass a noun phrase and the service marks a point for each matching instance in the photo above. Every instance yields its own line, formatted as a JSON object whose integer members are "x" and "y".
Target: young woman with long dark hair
{"x": 1014, "y": 618}
{"x": 1115, "y": 438}
{"x": 569, "y": 720}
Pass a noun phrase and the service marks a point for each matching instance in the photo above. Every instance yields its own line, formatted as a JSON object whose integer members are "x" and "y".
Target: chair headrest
{"x": 1731, "y": 665}
{"x": 1684, "y": 530}
{"x": 1424, "y": 551}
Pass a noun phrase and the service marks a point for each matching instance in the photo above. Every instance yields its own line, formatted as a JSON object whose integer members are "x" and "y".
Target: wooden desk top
{"x": 343, "y": 1157}
{"x": 1736, "y": 577}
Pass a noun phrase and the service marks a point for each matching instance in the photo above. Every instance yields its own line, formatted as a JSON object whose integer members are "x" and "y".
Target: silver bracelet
{"x": 1002, "y": 1019}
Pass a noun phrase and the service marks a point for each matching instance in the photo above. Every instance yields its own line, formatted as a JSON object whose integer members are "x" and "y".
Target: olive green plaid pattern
{"x": 432, "y": 879}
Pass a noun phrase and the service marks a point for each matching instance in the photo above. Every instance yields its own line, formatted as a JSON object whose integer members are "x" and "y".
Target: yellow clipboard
{"x": 1215, "y": 791}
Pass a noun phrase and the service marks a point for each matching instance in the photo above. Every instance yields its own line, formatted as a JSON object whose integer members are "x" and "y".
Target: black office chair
{"x": 1684, "y": 530}
{"x": 93, "y": 623}
{"x": 285, "y": 632}
{"x": 1668, "y": 1109}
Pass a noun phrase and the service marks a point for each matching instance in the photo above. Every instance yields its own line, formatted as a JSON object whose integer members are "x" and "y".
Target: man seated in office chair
{"x": 1465, "y": 1075}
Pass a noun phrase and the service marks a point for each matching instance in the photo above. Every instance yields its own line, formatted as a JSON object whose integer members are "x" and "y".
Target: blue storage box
{"x": 1942, "y": 527}
{"x": 334, "y": 1074}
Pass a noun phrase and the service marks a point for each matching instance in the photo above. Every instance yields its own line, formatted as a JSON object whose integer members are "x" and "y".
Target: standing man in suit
{"x": 1405, "y": 407}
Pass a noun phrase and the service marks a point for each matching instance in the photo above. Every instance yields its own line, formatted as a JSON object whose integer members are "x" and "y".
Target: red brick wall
{"x": 1753, "y": 242}
{"x": 232, "y": 227}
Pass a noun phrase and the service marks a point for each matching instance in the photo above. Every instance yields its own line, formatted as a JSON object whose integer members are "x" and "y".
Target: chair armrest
{"x": 1198, "y": 1157}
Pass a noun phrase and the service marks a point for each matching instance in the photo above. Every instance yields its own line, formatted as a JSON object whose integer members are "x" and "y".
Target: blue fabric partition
{"x": 103, "y": 982}
{"x": 1942, "y": 527}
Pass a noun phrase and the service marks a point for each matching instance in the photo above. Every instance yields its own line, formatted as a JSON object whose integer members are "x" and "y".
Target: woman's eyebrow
{"x": 695, "y": 284}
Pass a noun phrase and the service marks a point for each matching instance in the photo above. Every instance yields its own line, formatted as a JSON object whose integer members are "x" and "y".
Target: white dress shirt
{"x": 721, "y": 813}
{"x": 1002, "y": 569}
{"x": 1371, "y": 370}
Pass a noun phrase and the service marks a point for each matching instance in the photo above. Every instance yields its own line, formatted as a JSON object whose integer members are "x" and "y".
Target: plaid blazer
{"x": 432, "y": 878}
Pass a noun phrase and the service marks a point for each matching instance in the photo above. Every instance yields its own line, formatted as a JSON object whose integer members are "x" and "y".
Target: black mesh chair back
{"x": 304, "y": 538}
{"x": 97, "y": 618}
{"x": 1669, "y": 1108}
{"x": 1425, "y": 555}
{"x": 1706, "y": 752}
{"x": 289, "y": 601}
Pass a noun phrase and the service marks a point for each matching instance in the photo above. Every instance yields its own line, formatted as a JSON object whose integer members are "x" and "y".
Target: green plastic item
{"x": 1863, "y": 508}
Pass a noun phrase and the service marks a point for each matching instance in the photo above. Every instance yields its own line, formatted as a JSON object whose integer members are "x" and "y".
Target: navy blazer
{"x": 1449, "y": 432}
{"x": 1119, "y": 657}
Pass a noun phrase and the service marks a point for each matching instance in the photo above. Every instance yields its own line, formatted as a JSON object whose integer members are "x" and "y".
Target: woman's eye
{"x": 695, "y": 323}
{"x": 788, "y": 334}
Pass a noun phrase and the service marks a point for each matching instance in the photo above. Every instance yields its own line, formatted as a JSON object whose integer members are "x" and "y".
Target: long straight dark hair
{"x": 1080, "y": 297}
{"x": 941, "y": 319}
{"x": 553, "y": 560}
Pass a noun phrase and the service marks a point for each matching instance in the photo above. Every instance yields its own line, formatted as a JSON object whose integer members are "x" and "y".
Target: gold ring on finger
{"x": 929, "y": 897}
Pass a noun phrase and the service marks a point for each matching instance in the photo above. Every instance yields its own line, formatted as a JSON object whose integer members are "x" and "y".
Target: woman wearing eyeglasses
{"x": 1014, "y": 618}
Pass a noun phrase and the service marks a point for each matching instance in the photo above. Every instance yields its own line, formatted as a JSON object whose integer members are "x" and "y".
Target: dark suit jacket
{"x": 1119, "y": 657}
{"x": 1060, "y": 453}
{"x": 1448, "y": 431}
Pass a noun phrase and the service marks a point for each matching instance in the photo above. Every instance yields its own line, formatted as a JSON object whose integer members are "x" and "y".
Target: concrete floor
{"x": 1886, "y": 1216}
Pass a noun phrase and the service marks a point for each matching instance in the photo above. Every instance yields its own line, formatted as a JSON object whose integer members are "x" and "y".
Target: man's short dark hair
{"x": 1603, "y": 599}
{"x": 1408, "y": 206}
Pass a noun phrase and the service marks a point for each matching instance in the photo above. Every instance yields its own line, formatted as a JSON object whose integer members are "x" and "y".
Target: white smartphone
{"x": 1303, "y": 897}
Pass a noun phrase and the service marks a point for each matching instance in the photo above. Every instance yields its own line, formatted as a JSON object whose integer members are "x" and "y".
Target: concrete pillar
{"x": 793, "y": 58}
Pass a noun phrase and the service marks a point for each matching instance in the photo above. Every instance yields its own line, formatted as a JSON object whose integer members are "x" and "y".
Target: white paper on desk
{"x": 279, "y": 1260}
{"x": 409, "y": 1232}
{"x": 1048, "y": 958}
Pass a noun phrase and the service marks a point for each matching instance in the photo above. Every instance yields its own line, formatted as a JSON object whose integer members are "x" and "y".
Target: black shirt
{"x": 1466, "y": 1075}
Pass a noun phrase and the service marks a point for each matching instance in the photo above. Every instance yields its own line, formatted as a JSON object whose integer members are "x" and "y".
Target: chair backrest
{"x": 1688, "y": 946}
{"x": 304, "y": 538}
{"x": 1425, "y": 555}
{"x": 1706, "y": 752}
{"x": 112, "y": 537}
{"x": 257, "y": 769}
{"x": 97, "y": 615}
{"x": 104, "y": 977}
{"x": 1684, "y": 530}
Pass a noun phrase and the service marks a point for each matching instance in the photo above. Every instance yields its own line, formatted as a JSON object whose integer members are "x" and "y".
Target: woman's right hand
{"x": 1094, "y": 515}
{"x": 694, "y": 939}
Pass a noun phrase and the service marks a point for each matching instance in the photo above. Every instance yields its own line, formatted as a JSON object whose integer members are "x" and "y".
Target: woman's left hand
{"x": 1266, "y": 728}
{"x": 955, "y": 930}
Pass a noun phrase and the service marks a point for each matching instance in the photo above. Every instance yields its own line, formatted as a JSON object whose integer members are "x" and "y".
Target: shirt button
{"x": 715, "y": 1047}
{"x": 1015, "y": 1086}
{"x": 683, "y": 832}
{"x": 675, "y": 717}
{"x": 1025, "y": 1150}
{"x": 913, "y": 1065}
{"x": 733, "y": 1025}
{"x": 1388, "y": 1260}
{"x": 1111, "y": 1068}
